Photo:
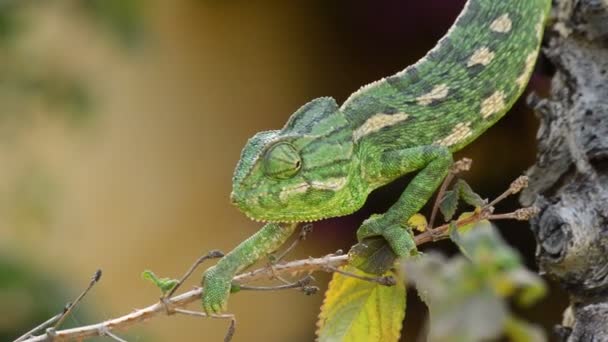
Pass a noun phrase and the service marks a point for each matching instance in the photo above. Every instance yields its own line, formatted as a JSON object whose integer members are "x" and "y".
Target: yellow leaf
{"x": 418, "y": 222}
{"x": 358, "y": 310}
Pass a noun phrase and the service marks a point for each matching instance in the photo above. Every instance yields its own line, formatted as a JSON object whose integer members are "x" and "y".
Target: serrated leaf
{"x": 359, "y": 310}
{"x": 449, "y": 204}
{"x": 164, "y": 284}
{"x": 467, "y": 194}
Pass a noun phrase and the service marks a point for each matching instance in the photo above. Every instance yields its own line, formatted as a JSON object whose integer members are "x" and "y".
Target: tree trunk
{"x": 569, "y": 182}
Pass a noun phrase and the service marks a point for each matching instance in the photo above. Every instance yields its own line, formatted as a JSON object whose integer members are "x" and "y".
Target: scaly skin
{"x": 327, "y": 159}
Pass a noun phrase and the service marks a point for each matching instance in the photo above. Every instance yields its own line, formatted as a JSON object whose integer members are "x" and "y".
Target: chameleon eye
{"x": 282, "y": 161}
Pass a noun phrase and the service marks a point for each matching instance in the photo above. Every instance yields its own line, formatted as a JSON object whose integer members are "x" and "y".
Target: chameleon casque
{"x": 327, "y": 158}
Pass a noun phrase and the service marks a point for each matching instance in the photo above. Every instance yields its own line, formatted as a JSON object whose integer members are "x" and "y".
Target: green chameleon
{"x": 327, "y": 158}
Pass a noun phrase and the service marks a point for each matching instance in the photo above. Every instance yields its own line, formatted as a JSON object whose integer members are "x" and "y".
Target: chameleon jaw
{"x": 308, "y": 219}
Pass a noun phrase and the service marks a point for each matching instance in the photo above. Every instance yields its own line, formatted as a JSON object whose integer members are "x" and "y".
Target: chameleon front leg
{"x": 434, "y": 163}
{"x": 217, "y": 280}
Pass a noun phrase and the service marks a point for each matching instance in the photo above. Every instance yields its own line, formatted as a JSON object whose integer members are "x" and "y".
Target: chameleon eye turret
{"x": 282, "y": 161}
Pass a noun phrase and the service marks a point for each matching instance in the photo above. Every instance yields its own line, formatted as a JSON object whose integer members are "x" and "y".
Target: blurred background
{"x": 121, "y": 122}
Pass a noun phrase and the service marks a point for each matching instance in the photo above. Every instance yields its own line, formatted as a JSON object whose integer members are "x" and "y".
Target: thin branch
{"x": 516, "y": 186}
{"x": 58, "y": 318}
{"x": 114, "y": 337}
{"x": 42, "y": 326}
{"x": 94, "y": 279}
{"x": 302, "y": 283}
{"x": 214, "y": 254}
{"x": 304, "y": 231}
{"x": 328, "y": 263}
{"x": 386, "y": 281}
{"x": 182, "y": 300}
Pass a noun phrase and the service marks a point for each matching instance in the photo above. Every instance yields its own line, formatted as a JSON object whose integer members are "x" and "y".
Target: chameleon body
{"x": 327, "y": 158}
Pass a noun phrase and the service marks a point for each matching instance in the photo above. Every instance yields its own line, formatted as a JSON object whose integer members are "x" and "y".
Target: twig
{"x": 328, "y": 263}
{"x": 297, "y": 284}
{"x": 114, "y": 337}
{"x": 214, "y": 254}
{"x": 520, "y": 183}
{"x": 94, "y": 279}
{"x": 306, "y": 229}
{"x": 386, "y": 281}
{"x": 186, "y": 298}
{"x": 43, "y": 325}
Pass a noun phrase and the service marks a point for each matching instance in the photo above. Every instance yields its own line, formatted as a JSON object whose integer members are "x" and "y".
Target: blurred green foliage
{"x": 124, "y": 18}
{"x": 468, "y": 295}
{"x": 25, "y": 79}
{"x": 29, "y": 88}
{"x": 29, "y": 297}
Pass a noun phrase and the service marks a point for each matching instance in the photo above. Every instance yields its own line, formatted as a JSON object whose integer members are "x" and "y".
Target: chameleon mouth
{"x": 298, "y": 217}
{"x": 270, "y": 220}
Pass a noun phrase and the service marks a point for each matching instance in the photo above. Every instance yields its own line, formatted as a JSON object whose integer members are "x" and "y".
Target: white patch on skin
{"x": 292, "y": 190}
{"x": 493, "y": 104}
{"x": 376, "y": 123}
{"x": 439, "y": 92}
{"x": 333, "y": 184}
{"x": 481, "y": 56}
{"x": 460, "y": 132}
{"x": 502, "y": 25}
{"x": 522, "y": 80}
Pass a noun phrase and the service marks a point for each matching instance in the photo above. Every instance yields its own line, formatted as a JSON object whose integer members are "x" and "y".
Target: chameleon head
{"x": 299, "y": 173}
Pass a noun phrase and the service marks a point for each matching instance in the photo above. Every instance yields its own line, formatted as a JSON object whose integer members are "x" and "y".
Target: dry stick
{"x": 327, "y": 263}
{"x": 114, "y": 337}
{"x": 385, "y": 280}
{"x": 214, "y": 254}
{"x": 60, "y": 317}
{"x": 294, "y": 285}
{"x": 231, "y": 317}
{"x": 485, "y": 213}
{"x": 306, "y": 229}
{"x": 184, "y": 299}
{"x": 43, "y": 325}
{"x": 94, "y": 279}
{"x": 516, "y": 186}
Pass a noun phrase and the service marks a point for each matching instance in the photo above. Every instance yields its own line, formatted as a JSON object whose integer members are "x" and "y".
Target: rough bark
{"x": 569, "y": 182}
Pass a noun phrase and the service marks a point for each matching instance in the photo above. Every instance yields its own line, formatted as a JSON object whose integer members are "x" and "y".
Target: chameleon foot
{"x": 398, "y": 237}
{"x": 216, "y": 290}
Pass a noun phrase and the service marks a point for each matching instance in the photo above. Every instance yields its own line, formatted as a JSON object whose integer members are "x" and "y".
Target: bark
{"x": 569, "y": 182}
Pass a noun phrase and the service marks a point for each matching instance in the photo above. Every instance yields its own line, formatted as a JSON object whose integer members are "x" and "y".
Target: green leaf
{"x": 360, "y": 310}
{"x": 467, "y": 194}
{"x": 460, "y": 190}
{"x": 164, "y": 284}
{"x": 448, "y": 205}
